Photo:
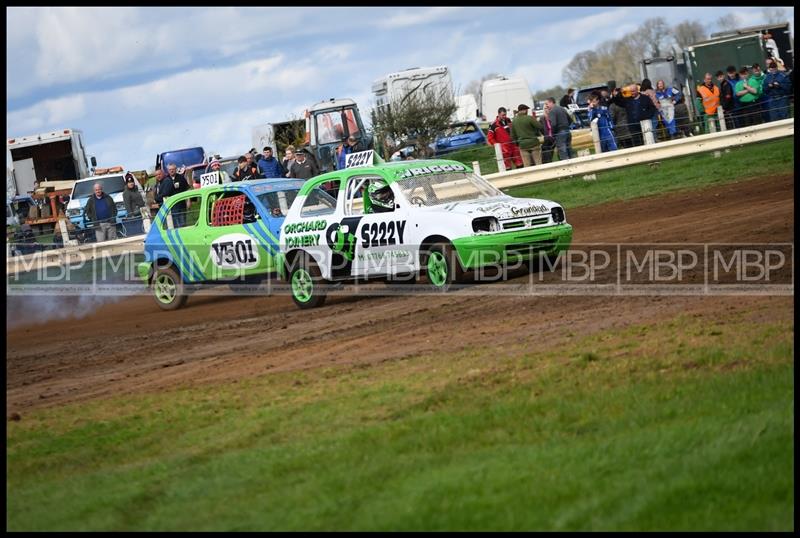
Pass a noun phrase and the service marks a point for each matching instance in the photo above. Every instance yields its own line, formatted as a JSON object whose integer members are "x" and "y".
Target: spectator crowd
{"x": 746, "y": 97}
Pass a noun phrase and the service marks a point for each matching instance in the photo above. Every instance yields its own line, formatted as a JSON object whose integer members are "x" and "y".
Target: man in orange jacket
{"x": 709, "y": 94}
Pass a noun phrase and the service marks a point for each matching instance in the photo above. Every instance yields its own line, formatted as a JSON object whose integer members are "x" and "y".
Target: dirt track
{"x": 131, "y": 346}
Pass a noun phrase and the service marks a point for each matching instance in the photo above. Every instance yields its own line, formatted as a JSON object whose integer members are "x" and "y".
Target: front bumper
{"x": 143, "y": 270}
{"x": 503, "y": 247}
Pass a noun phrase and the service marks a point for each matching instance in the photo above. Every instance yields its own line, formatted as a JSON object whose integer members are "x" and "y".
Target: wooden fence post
{"x": 498, "y": 153}
{"x": 647, "y": 132}
{"x": 596, "y": 137}
{"x": 476, "y": 167}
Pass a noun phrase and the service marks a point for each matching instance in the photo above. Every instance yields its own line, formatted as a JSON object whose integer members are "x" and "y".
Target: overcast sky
{"x": 138, "y": 81}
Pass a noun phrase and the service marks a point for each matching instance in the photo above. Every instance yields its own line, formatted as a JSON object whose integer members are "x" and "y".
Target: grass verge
{"x": 692, "y": 172}
{"x": 684, "y": 425}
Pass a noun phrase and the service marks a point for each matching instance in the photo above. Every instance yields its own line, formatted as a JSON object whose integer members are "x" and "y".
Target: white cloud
{"x": 414, "y": 16}
{"x": 577, "y": 29}
{"x": 542, "y": 75}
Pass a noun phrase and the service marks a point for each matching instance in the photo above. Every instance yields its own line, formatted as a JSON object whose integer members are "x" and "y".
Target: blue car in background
{"x": 459, "y": 136}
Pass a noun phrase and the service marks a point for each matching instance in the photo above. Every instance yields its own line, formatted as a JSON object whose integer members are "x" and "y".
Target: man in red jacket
{"x": 500, "y": 133}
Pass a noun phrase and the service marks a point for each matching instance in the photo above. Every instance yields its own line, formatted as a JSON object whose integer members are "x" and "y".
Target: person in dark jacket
{"x": 638, "y": 107}
{"x": 247, "y": 169}
{"x": 726, "y": 99}
{"x": 620, "y": 119}
{"x": 525, "y": 131}
{"x": 133, "y": 201}
{"x": 549, "y": 142}
{"x": 351, "y": 145}
{"x": 175, "y": 183}
{"x": 288, "y": 159}
{"x": 776, "y": 92}
{"x": 560, "y": 122}
{"x": 101, "y": 211}
{"x": 733, "y": 78}
{"x": 567, "y": 99}
{"x": 269, "y": 166}
{"x": 303, "y": 168}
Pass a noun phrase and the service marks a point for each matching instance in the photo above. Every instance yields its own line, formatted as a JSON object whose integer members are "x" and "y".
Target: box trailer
{"x": 54, "y": 156}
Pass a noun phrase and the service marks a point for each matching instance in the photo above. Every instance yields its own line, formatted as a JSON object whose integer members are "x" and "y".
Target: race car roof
{"x": 392, "y": 171}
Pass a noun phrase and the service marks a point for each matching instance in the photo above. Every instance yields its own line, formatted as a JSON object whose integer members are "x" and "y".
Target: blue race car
{"x": 219, "y": 233}
{"x": 459, "y": 136}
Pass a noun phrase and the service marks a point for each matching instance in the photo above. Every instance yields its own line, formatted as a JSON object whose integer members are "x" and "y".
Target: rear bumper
{"x": 486, "y": 249}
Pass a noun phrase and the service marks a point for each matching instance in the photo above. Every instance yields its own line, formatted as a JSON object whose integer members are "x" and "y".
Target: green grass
{"x": 485, "y": 155}
{"x": 752, "y": 160}
{"x": 669, "y": 427}
{"x": 692, "y": 172}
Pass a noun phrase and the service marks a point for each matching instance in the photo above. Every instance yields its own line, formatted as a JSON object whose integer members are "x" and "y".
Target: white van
{"x": 508, "y": 92}
{"x": 467, "y": 108}
{"x": 113, "y": 185}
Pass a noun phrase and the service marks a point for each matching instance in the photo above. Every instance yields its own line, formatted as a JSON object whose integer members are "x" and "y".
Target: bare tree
{"x": 416, "y": 119}
{"x": 774, "y": 15}
{"x": 577, "y": 71}
{"x": 290, "y": 132}
{"x": 688, "y": 33}
{"x": 654, "y": 37}
{"x": 474, "y": 87}
{"x": 728, "y": 22}
{"x": 554, "y": 92}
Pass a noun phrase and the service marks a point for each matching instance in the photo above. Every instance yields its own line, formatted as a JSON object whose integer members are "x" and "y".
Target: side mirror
{"x": 94, "y": 161}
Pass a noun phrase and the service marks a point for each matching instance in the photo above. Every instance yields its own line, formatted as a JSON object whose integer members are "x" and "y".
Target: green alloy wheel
{"x": 168, "y": 289}
{"x": 306, "y": 281}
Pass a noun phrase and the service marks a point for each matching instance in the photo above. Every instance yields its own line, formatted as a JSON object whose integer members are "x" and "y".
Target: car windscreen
{"x": 111, "y": 185}
{"x": 434, "y": 189}
{"x": 459, "y": 129}
{"x": 582, "y": 99}
{"x": 278, "y": 202}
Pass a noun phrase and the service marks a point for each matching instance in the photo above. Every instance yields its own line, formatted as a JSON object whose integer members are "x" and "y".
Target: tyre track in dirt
{"x": 131, "y": 346}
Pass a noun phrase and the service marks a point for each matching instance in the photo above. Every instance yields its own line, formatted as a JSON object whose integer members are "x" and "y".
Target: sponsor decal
{"x": 303, "y": 227}
{"x": 360, "y": 158}
{"x": 234, "y": 251}
{"x": 530, "y": 210}
{"x": 386, "y": 254}
{"x": 381, "y": 234}
{"x": 434, "y": 169}
{"x": 308, "y": 240}
{"x": 492, "y": 208}
{"x": 341, "y": 239}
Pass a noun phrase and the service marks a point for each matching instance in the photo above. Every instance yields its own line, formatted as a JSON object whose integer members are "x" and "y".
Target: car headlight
{"x": 120, "y": 206}
{"x": 74, "y": 212}
{"x": 485, "y": 224}
{"x": 558, "y": 214}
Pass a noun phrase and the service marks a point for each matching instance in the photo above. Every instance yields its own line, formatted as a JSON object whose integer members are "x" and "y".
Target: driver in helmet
{"x": 381, "y": 197}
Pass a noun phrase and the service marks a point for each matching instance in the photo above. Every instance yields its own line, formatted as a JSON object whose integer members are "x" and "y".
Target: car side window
{"x": 184, "y": 213}
{"x": 317, "y": 203}
{"x": 354, "y": 194}
{"x": 278, "y": 202}
{"x": 231, "y": 208}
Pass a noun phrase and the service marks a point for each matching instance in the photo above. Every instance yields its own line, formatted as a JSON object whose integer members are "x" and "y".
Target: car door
{"x": 238, "y": 240}
{"x": 316, "y": 228}
{"x": 380, "y": 238}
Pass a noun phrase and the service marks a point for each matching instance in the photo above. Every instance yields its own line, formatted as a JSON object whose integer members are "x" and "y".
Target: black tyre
{"x": 441, "y": 265}
{"x": 307, "y": 285}
{"x": 168, "y": 289}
